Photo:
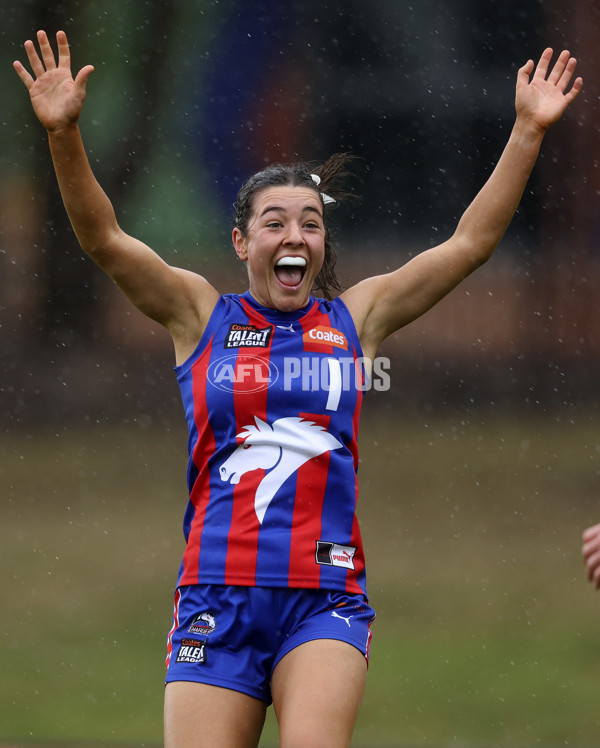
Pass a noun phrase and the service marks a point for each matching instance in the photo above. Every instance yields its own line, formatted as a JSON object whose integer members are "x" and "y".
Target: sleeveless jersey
{"x": 272, "y": 403}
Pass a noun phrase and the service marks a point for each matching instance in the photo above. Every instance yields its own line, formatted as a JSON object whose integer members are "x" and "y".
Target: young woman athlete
{"x": 271, "y": 602}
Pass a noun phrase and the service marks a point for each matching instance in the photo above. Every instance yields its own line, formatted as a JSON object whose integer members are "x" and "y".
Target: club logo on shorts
{"x": 203, "y": 624}
{"x": 192, "y": 651}
{"x": 248, "y": 336}
{"x": 333, "y": 554}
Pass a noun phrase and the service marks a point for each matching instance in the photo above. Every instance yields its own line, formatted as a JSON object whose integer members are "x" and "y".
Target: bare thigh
{"x": 199, "y": 716}
{"x": 317, "y": 689}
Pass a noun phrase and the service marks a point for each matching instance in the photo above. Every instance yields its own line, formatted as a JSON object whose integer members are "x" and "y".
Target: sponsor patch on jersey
{"x": 248, "y": 336}
{"x": 203, "y": 624}
{"x": 333, "y": 554}
{"x": 322, "y": 335}
{"x": 192, "y": 650}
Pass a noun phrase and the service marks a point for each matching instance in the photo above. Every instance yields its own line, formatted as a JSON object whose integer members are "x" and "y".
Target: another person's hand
{"x": 591, "y": 554}
{"x": 543, "y": 97}
{"x": 56, "y": 97}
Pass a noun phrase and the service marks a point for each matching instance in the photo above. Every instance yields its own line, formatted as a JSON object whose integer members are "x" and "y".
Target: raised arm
{"x": 180, "y": 300}
{"x": 382, "y": 304}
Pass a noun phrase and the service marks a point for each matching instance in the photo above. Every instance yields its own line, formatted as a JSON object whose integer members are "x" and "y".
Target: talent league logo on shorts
{"x": 192, "y": 651}
{"x": 322, "y": 335}
{"x": 248, "y": 336}
{"x": 333, "y": 554}
{"x": 203, "y": 624}
{"x": 242, "y": 373}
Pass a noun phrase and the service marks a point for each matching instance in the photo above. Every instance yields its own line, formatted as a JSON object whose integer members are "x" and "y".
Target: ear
{"x": 239, "y": 244}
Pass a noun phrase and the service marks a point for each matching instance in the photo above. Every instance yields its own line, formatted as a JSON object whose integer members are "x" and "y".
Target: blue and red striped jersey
{"x": 272, "y": 401}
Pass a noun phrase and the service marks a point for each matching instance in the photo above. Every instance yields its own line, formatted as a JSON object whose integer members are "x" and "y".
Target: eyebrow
{"x": 307, "y": 208}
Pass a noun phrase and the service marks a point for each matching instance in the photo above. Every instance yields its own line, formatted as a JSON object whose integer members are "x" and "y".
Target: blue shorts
{"x": 234, "y": 637}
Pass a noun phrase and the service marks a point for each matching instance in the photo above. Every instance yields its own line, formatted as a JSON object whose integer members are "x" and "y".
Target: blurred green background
{"x": 479, "y": 468}
{"x": 486, "y": 634}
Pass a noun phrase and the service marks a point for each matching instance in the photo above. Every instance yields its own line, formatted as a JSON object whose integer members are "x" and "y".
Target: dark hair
{"x": 298, "y": 175}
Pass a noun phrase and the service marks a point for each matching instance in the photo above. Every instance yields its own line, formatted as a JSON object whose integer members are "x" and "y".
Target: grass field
{"x": 487, "y": 631}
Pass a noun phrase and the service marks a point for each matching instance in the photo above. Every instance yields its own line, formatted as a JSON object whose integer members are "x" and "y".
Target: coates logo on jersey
{"x": 322, "y": 335}
{"x": 248, "y": 336}
{"x": 242, "y": 373}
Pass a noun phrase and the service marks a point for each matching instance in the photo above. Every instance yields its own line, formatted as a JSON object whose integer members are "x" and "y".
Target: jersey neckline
{"x": 276, "y": 314}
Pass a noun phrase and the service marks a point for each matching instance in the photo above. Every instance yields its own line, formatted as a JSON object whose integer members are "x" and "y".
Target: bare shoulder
{"x": 187, "y": 327}
{"x": 360, "y": 300}
{"x": 197, "y": 287}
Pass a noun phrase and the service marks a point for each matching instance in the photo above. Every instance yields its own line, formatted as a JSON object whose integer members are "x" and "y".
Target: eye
{"x": 274, "y": 225}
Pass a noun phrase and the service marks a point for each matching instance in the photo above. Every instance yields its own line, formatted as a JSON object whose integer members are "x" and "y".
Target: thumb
{"x": 525, "y": 71}
{"x": 82, "y": 76}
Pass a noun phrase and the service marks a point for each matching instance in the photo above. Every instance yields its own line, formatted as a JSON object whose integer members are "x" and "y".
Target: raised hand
{"x": 56, "y": 97}
{"x": 591, "y": 554}
{"x": 544, "y": 97}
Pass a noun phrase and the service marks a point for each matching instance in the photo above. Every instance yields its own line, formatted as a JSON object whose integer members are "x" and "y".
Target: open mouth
{"x": 290, "y": 270}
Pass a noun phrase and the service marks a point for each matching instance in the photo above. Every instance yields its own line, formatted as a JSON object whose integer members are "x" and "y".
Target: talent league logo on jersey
{"x": 242, "y": 373}
{"x": 333, "y": 554}
{"x": 248, "y": 336}
{"x": 326, "y": 336}
{"x": 192, "y": 650}
{"x": 203, "y": 624}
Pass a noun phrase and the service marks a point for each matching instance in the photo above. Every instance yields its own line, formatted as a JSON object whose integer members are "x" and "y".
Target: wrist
{"x": 64, "y": 129}
{"x": 527, "y": 129}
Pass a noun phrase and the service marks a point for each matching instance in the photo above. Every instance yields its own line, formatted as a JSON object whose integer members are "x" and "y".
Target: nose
{"x": 294, "y": 236}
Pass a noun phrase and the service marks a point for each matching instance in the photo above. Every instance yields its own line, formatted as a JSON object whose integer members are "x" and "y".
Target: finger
{"x": 559, "y": 67}
{"x": 575, "y": 90}
{"x": 46, "y": 50}
{"x": 594, "y": 530}
{"x": 34, "y": 59}
{"x": 593, "y": 565}
{"x": 23, "y": 74}
{"x": 64, "y": 52}
{"x": 591, "y": 546}
{"x": 594, "y": 575}
{"x": 566, "y": 74}
{"x": 542, "y": 66}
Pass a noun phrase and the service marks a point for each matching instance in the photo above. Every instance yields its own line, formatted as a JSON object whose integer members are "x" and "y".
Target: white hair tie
{"x": 326, "y": 198}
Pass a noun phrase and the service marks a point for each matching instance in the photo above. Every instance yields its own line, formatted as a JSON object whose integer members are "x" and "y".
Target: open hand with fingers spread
{"x": 56, "y": 97}
{"x": 544, "y": 97}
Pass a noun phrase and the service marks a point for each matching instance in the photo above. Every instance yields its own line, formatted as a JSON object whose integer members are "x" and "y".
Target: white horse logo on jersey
{"x": 281, "y": 447}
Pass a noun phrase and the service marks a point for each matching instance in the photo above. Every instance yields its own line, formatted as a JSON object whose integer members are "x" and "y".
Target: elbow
{"x": 475, "y": 250}
{"x": 102, "y": 245}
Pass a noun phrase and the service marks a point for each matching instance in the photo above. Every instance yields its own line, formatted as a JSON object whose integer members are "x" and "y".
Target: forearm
{"x": 486, "y": 219}
{"x": 90, "y": 211}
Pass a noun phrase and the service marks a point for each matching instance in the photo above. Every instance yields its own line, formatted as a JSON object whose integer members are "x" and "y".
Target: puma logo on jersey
{"x": 334, "y": 554}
